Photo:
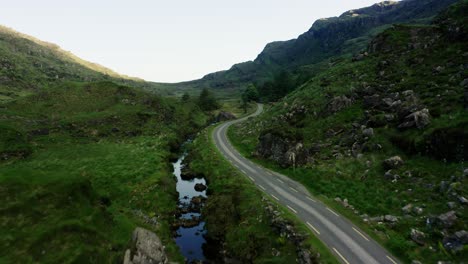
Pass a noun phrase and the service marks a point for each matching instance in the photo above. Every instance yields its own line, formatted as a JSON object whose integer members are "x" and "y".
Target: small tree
{"x": 250, "y": 94}
{"x": 207, "y": 101}
{"x": 185, "y": 97}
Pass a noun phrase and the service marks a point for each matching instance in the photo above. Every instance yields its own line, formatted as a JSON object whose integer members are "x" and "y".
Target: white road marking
{"x": 394, "y": 262}
{"x": 357, "y": 231}
{"x": 275, "y": 197}
{"x": 313, "y": 228}
{"x": 243, "y": 171}
{"x": 280, "y": 180}
{"x": 292, "y": 209}
{"x": 332, "y": 211}
{"x": 251, "y": 178}
{"x": 311, "y": 199}
{"x": 269, "y": 173}
{"x": 341, "y": 256}
{"x": 261, "y": 187}
{"x": 293, "y": 189}
{"x": 352, "y": 244}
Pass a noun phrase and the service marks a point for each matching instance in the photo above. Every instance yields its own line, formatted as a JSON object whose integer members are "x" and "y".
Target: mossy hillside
{"x": 28, "y": 65}
{"x": 434, "y": 154}
{"x": 83, "y": 165}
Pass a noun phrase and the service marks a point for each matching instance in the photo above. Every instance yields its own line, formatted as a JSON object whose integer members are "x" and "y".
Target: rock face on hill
{"x": 284, "y": 151}
{"x": 146, "y": 248}
{"x": 326, "y": 38}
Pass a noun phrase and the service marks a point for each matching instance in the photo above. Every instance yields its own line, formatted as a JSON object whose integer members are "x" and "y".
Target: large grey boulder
{"x": 417, "y": 236}
{"x": 146, "y": 248}
{"x": 419, "y": 119}
{"x": 390, "y": 219}
{"x": 286, "y": 152}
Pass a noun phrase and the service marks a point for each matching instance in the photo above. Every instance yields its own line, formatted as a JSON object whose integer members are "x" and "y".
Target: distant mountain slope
{"x": 27, "y": 64}
{"x": 329, "y": 37}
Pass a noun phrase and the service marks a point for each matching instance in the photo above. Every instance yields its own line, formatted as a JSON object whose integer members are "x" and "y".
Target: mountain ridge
{"x": 68, "y": 54}
{"x": 323, "y": 40}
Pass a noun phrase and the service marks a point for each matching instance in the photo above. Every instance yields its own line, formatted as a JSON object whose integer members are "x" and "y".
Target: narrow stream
{"x": 189, "y": 235}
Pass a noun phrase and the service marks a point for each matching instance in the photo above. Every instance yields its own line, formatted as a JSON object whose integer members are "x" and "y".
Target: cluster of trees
{"x": 206, "y": 101}
{"x": 273, "y": 90}
{"x": 282, "y": 84}
{"x": 249, "y": 95}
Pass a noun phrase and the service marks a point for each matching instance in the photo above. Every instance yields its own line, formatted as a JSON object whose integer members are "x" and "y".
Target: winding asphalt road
{"x": 346, "y": 241}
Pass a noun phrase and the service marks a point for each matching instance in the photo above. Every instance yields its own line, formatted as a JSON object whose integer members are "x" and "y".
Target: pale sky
{"x": 171, "y": 40}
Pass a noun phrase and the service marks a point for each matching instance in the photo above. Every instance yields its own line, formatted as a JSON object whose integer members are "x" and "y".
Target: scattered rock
{"x": 452, "y": 205}
{"x": 464, "y": 83}
{"x": 419, "y": 119}
{"x": 462, "y": 235}
{"x": 448, "y": 219}
{"x": 368, "y": 132}
{"x": 418, "y": 236}
{"x": 462, "y": 200}
{"x": 407, "y": 208}
{"x": 418, "y": 210}
{"x": 187, "y": 222}
{"x": 390, "y": 176}
{"x": 146, "y": 248}
{"x": 456, "y": 242}
{"x": 287, "y": 230}
{"x": 338, "y": 103}
{"x": 376, "y": 219}
{"x": 390, "y": 219}
{"x": 199, "y": 187}
{"x": 372, "y": 101}
{"x": 197, "y": 200}
{"x": 393, "y": 162}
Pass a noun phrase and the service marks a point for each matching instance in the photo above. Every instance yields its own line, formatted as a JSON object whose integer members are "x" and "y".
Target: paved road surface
{"x": 349, "y": 244}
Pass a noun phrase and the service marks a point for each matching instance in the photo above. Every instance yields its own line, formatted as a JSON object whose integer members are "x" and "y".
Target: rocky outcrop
{"x": 338, "y": 103}
{"x": 224, "y": 116}
{"x": 448, "y": 219}
{"x": 286, "y": 152}
{"x": 146, "y": 248}
{"x": 456, "y": 242}
{"x": 419, "y": 119}
{"x": 393, "y": 162}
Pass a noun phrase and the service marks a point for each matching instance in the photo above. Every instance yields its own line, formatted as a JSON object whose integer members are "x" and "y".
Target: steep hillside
{"x": 382, "y": 137}
{"x": 28, "y": 64}
{"x": 327, "y": 38}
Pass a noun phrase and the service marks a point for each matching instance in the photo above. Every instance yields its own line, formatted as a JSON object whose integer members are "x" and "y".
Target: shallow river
{"x": 190, "y": 240}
